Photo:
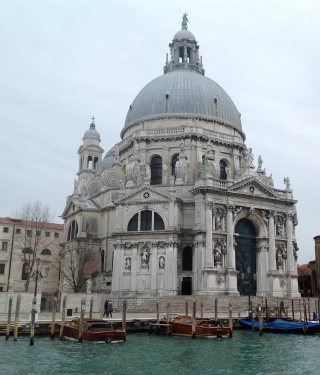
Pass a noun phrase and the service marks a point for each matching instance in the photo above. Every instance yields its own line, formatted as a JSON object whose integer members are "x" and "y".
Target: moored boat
{"x": 283, "y": 326}
{"x": 182, "y": 325}
{"x": 94, "y": 330}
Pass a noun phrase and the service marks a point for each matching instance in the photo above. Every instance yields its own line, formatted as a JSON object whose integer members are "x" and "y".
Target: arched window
{"x": 27, "y": 250}
{"x": 133, "y": 223}
{"x": 146, "y": 220}
{"x": 95, "y": 162}
{"x": 73, "y": 231}
{"x": 223, "y": 173}
{"x": 102, "y": 260}
{"x": 158, "y": 222}
{"x": 45, "y": 252}
{"x": 90, "y": 162}
{"x": 156, "y": 170}
{"x": 187, "y": 259}
{"x": 24, "y": 276}
{"x": 173, "y": 165}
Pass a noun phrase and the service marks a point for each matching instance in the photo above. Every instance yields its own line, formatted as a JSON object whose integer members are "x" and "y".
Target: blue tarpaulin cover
{"x": 279, "y": 324}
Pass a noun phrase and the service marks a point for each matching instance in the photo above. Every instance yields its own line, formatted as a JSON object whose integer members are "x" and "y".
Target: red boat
{"x": 94, "y": 330}
{"x": 182, "y": 325}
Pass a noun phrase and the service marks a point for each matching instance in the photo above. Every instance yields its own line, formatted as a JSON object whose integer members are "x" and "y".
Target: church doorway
{"x": 186, "y": 286}
{"x": 246, "y": 258}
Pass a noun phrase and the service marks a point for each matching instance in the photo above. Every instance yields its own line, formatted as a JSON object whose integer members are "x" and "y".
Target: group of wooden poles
{"x": 53, "y": 323}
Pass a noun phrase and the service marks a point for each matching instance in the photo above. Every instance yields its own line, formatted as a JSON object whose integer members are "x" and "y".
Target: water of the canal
{"x": 245, "y": 353}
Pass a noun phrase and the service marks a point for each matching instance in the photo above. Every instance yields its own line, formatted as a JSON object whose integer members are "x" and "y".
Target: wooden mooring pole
{"x": 158, "y": 314}
{"x": 194, "y": 311}
{"x": 292, "y": 304}
{"x": 63, "y": 316}
{"x": 201, "y": 310}
{"x": 267, "y": 312}
{"x": 91, "y": 308}
{"x": 252, "y": 318}
{"x": 83, "y": 309}
{"x": 260, "y": 320}
{"x": 309, "y": 315}
{"x": 316, "y": 309}
{"x": 230, "y": 319}
{"x": 300, "y": 317}
{"x": 305, "y": 317}
{"x": 9, "y": 319}
{"x": 187, "y": 312}
{"x": 33, "y": 320}
{"x": 216, "y": 309}
{"x": 319, "y": 310}
{"x": 16, "y": 320}
{"x": 169, "y": 331}
{"x": 53, "y": 323}
{"x": 124, "y": 319}
{"x": 102, "y": 308}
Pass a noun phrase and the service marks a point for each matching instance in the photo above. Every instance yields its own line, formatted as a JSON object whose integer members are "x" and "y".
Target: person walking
{"x": 106, "y": 308}
{"x": 109, "y": 308}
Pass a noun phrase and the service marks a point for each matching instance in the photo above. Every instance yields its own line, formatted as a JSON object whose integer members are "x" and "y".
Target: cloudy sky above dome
{"x": 65, "y": 61}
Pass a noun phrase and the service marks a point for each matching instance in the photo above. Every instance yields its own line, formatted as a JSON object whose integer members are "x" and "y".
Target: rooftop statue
{"x": 184, "y": 20}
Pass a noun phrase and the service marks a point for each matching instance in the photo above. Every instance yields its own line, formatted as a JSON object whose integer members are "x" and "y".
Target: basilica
{"x": 178, "y": 206}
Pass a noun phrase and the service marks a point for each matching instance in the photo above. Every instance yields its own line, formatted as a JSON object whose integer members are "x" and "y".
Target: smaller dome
{"x": 184, "y": 33}
{"x": 92, "y": 133}
{"x": 108, "y": 159}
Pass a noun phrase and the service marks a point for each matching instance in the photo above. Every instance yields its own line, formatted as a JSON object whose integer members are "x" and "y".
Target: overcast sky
{"x": 64, "y": 61}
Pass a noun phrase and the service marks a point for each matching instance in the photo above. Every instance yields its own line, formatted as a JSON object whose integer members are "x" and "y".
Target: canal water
{"x": 245, "y": 353}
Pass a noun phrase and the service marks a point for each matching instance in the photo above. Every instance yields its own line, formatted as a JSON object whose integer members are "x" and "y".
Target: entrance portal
{"x": 246, "y": 257}
{"x": 186, "y": 286}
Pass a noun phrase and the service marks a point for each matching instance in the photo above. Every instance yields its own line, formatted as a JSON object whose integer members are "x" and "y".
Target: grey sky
{"x": 64, "y": 61}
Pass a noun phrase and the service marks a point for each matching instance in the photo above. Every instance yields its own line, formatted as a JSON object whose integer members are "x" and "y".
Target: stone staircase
{"x": 239, "y": 305}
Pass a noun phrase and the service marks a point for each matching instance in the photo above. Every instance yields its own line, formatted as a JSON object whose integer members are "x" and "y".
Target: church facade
{"x": 177, "y": 206}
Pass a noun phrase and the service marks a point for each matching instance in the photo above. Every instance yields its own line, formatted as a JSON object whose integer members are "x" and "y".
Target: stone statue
{"x": 228, "y": 172}
{"x": 128, "y": 264}
{"x": 209, "y": 148}
{"x": 161, "y": 263}
{"x": 182, "y": 145}
{"x": 75, "y": 186}
{"x": 148, "y": 171}
{"x": 260, "y": 161}
{"x": 279, "y": 260}
{"x": 218, "y": 223}
{"x": 217, "y": 255}
{"x": 135, "y": 148}
{"x": 185, "y": 20}
{"x": 279, "y": 227}
{"x": 89, "y": 285}
{"x": 82, "y": 191}
{"x": 271, "y": 180}
{"x": 99, "y": 167}
{"x": 145, "y": 259}
{"x": 116, "y": 153}
{"x": 171, "y": 178}
{"x": 181, "y": 169}
{"x": 287, "y": 182}
{"x": 11, "y": 284}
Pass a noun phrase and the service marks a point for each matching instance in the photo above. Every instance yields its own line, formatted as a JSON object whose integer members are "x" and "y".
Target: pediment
{"x": 69, "y": 208}
{"x": 253, "y": 187}
{"x": 144, "y": 195}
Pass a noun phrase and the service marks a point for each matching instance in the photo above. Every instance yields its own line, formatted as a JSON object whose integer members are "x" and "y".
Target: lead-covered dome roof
{"x": 185, "y": 92}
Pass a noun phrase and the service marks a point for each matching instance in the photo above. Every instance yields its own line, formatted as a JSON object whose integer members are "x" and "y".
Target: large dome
{"x": 184, "y": 92}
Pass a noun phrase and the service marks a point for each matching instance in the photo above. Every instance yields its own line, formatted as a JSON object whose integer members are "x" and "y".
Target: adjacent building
{"x": 178, "y": 205}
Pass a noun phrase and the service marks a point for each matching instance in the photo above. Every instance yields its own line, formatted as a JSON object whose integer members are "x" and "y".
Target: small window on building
{"x": 90, "y": 162}
{"x": 38, "y": 233}
{"x": 156, "y": 170}
{"x": 56, "y": 235}
{"x": 24, "y": 276}
{"x": 108, "y": 283}
{"x": 29, "y": 233}
{"x": 158, "y": 222}
{"x": 1, "y": 288}
{"x": 2, "y": 268}
{"x": 73, "y": 231}
{"x": 223, "y": 173}
{"x": 4, "y": 246}
{"x": 133, "y": 224}
{"x": 18, "y": 231}
{"x": 5, "y": 230}
{"x": 146, "y": 220}
{"x": 45, "y": 252}
{"x": 95, "y": 162}
{"x": 47, "y": 234}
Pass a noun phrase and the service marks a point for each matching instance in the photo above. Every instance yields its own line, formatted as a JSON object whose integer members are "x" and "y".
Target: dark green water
{"x": 245, "y": 353}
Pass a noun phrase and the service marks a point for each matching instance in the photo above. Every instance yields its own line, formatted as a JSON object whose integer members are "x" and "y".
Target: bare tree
{"x": 35, "y": 219}
{"x": 77, "y": 263}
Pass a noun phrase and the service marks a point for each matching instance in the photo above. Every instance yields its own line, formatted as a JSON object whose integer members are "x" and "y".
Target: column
{"x": 272, "y": 244}
{"x": 290, "y": 257}
{"x": 231, "y": 256}
{"x": 154, "y": 266}
{"x": 195, "y": 267}
{"x": 175, "y": 267}
{"x": 117, "y": 271}
{"x": 208, "y": 257}
{"x": 134, "y": 267}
